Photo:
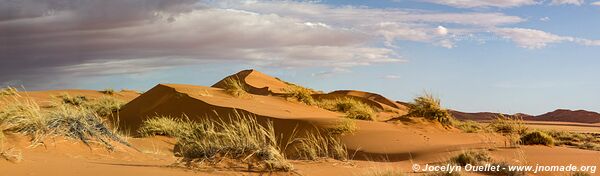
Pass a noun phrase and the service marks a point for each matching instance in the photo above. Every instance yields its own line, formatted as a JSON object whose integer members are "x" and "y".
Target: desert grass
{"x": 506, "y": 125}
{"x": 468, "y": 126}
{"x": 344, "y": 127}
{"x": 537, "y": 138}
{"x": 235, "y": 87}
{"x": 314, "y": 145}
{"x": 108, "y": 91}
{"x": 300, "y": 94}
{"x": 103, "y": 106}
{"x": 8, "y": 91}
{"x": 471, "y": 157}
{"x": 25, "y": 116}
{"x": 353, "y": 108}
{"x": 166, "y": 126}
{"x": 429, "y": 107}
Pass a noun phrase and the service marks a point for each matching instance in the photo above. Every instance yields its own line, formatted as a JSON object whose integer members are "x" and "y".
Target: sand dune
{"x": 257, "y": 82}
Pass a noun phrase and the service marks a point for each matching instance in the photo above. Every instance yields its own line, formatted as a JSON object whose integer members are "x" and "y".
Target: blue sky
{"x": 513, "y": 56}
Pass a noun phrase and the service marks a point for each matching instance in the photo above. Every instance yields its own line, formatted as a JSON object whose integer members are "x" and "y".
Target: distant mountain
{"x": 559, "y": 115}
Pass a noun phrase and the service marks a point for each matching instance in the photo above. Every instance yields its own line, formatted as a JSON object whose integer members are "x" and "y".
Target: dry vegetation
{"x": 429, "y": 107}
{"x": 235, "y": 87}
{"x": 70, "y": 117}
{"x": 8, "y": 91}
{"x": 300, "y": 94}
{"x": 108, "y": 91}
{"x": 353, "y": 108}
{"x": 242, "y": 140}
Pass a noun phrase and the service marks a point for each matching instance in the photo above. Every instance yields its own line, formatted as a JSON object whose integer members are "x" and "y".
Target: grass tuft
{"x": 235, "y": 87}
{"x": 9, "y": 91}
{"x": 537, "y": 138}
{"x": 166, "y": 126}
{"x": 353, "y": 108}
{"x": 344, "y": 127}
{"x": 300, "y": 94}
{"x": 315, "y": 145}
{"x": 471, "y": 157}
{"x": 75, "y": 101}
{"x": 108, "y": 91}
{"x": 507, "y": 125}
{"x": 468, "y": 126}
{"x": 429, "y": 107}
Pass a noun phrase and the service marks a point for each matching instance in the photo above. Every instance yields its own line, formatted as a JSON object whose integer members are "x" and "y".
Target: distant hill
{"x": 559, "y": 115}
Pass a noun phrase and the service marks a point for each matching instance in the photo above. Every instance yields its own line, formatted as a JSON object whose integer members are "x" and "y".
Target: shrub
{"x": 75, "y": 101}
{"x": 468, "y": 126}
{"x": 25, "y": 116}
{"x": 537, "y": 138}
{"x": 353, "y": 108}
{"x": 8, "y": 91}
{"x": 429, "y": 107}
{"x": 300, "y": 94}
{"x": 235, "y": 87}
{"x": 507, "y": 125}
{"x": 240, "y": 139}
{"x": 108, "y": 91}
{"x": 471, "y": 157}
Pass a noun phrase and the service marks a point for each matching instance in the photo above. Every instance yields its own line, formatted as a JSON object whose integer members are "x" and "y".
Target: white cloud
{"x": 545, "y": 19}
{"x": 391, "y": 77}
{"x": 530, "y": 38}
{"x": 571, "y": 2}
{"x": 597, "y": 3}
{"x": 484, "y": 3}
{"x": 441, "y": 30}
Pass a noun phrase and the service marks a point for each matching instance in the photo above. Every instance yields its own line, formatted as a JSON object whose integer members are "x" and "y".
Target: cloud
{"x": 391, "y": 77}
{"x": 571, "y": 2}
{"x": 536, "y": 39}
{"x": 545, "y": 19}
{"x": 441, "y": 30}
{"x": 597, "y": 3}
{"x": 484, "y": 3}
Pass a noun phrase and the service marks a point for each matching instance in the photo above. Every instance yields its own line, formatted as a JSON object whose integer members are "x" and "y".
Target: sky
{"x": 530, "y": 56}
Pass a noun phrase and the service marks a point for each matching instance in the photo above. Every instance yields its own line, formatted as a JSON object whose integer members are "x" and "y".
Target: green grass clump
{"x": 537, "y": 138}
{"x": 471, "y": 157}
{"x": 430, "y": 108}
{"x": 26, "y": 117}
{"x": 300, "y": 94}
{"x": 108, "y": 91}
{"x": 353, "y": 108}
{"x": 468, "y": 126}
{"x": 9, "y": 91}
{"x": 235, "y": 87}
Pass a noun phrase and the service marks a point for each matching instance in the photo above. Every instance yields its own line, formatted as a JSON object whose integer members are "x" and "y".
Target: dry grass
{"x": 429, "y": 107}
{"x": 27, "y": 117}
{"x": 300, "y": 94}
{"x": 471, "y": 157}
{"x": 166, "y": 126}
{"x": 8, "y": 91}
{"x": 235, "y": 87}
{"x": 537, "y": 138}
{"x": 507, "y": 125}
{"x": 353, "y": 108}
{"x": 316, "y": 144}
{"x": 468, "y": 126}
{"x": 344, "y": 127}
{"x": 108, "y": 91}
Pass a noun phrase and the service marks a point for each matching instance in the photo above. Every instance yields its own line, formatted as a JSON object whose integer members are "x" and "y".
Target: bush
{"x": 108, "y": 91}
{"x": 235, "y": 87}
{"x": 353, "y": 108}
{"x": 471, "y": 157}
{"x": 537, "y": 138}
{"x": 26, "y": 116}
{"x": 429, "y": 107}
{"x": 507, "y": 125}
{"x": 75, "y": 101}
{"x": 300, "y": 94}
{"x": 468, "y": 126}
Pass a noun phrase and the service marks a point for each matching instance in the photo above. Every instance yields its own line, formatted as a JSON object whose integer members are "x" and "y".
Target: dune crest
{"x": 258, "y": 83}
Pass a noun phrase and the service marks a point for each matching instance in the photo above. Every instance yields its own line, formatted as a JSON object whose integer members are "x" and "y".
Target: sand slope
{"x": 257, "y": 82}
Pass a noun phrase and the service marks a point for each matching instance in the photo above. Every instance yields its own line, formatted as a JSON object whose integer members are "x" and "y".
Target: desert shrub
{"x": 315, "y": 145}
{"x": 164, "y": 125}
{"x": 570, "y": 138}
{"x": 75, "y": 101}
{"x": 235, "y": 87}
{"x": 240, "y": 139}
{"x": 8, "y": 91}
{"x": 471, "y": 157}
{"x": 353, "y": 108}
{"x": 108, "y": 91}
{"x": 468, "y": 126}
{"x": 589, "y": 146}
{"x": 345, "y": 126}
{"x": 300, "y": 94}
{"x": 429, "y": 107}
{"x": 507, "y": 125}
{"x": 26, "y": 116}
{"x": 580, "y": 174}
{"x": 537, "y": 138}
{"x": 504, "y": 170}
{"x": 104, "y": 106}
